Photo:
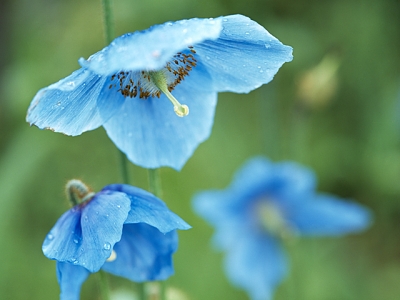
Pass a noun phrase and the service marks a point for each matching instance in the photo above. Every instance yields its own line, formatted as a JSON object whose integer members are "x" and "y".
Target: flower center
{"x": 78, "y": 192}
{"x": 272, "y": 219}
{"x": 152, "y": 83}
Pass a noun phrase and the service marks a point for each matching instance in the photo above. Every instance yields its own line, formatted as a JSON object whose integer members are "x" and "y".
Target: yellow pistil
{"x": 159, "y": 79}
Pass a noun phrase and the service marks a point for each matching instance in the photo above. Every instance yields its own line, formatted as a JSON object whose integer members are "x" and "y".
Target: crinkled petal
{"x": 143, "y": 254}
{"x": 329, "y": 215}
{"x": 85, "y": 235}
{"x": 70, "y": 278}
{"x": 244, "y": 57}
{"x": 80, "y": 102}
{"x": 146, "y": 208}
{"x": 150, "y": 49}
{"x": 257, "y": 265}
{"x": 152, "y": 135}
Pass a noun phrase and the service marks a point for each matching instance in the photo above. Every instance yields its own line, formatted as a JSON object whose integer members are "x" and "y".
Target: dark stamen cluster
{"x": 178, "y": 68}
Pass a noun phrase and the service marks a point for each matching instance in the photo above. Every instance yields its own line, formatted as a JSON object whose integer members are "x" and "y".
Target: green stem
{"x": 155, "y": 182}
{"x": 124, "y": 167}
{"x": 109, "y": 35}
{"x": 108, "y": 23}
{"x": 156, "y": 190}
{"x": 104, "y": 288}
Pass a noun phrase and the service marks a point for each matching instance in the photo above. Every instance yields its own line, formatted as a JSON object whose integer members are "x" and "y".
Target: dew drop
{"x": 71, "y": 83}
{"x": 261, "y": 71}
{"x": 225, "y": 20}
{"x": 50, "y": 236}
{"x": 207, "y": 57}
{"x": 247, "y": 32}
{"x": 107, "y": 246}
{"x": 118, "y": 206}
{"x": 184, "y": 31}
{"x": 76, "y": 241}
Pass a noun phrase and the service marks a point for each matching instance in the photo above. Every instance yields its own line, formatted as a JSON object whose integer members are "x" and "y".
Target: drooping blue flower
{"x": 127, "y": 87}
{"x": 122, "y": 229}
{"x": 265, "y": 202}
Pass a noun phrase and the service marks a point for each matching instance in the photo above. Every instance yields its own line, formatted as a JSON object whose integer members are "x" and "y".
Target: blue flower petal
{"x": 86, "y": 234}
{"x": 150, "y": 133}
{"x": 143, "y": 254}
{"x": 257, "y": 265}
{"x": 150, "y": 49}
{"x": 70, "y": 278}
{"x": 286, "y": 182}
{"x": 244, "y": 57}
{"x": 328, "y": 215}
{"x": 218, "y": 209}
{"x": 80, "y": 102}
{"x": 146, "y": 208}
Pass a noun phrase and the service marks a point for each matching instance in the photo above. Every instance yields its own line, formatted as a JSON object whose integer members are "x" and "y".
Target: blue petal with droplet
{"x": 146, "y": 208}
{"x": 152, "y": 48}
{"x": 85, "y": 234}
{"x": 80, "y": 102}
{"x": 151, "y": 135}
{"x": 244, "y": 56}
{"x": 143, "y": 254}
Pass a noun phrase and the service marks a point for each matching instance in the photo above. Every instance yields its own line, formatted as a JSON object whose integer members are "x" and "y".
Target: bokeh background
{"x": 334, "y": 108}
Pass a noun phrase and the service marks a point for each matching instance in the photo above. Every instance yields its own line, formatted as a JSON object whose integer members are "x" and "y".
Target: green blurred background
{"x": 334, "y": 108}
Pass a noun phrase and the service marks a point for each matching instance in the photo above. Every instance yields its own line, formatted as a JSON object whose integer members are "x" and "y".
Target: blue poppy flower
{"x": 127, "y": 87}
{"x": 122, "y": 229}
{"x": 266, "y": 202}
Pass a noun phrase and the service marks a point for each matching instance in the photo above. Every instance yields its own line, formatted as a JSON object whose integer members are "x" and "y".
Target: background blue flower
{"x": 265, "y": 203}
{"x": 115, "y": 88}
{"x": 124, "y": 230}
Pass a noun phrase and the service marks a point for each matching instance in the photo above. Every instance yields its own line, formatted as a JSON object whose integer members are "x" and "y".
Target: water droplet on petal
{"x": 107, "y": 246}
{"x": 76, "y": 241}
{"x": 207, "y": 57}
{"x": 247, "y": 32}
{"x": 118, "y": 206}
{"x": 225, "y": 20}
{"x": 50, "y": 236}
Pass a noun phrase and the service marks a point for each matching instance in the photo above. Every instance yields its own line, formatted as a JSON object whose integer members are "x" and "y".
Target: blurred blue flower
{"x": 122, "y": 229}
{"x": 119, "y": 86}
{"x": 265, "y": 203}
